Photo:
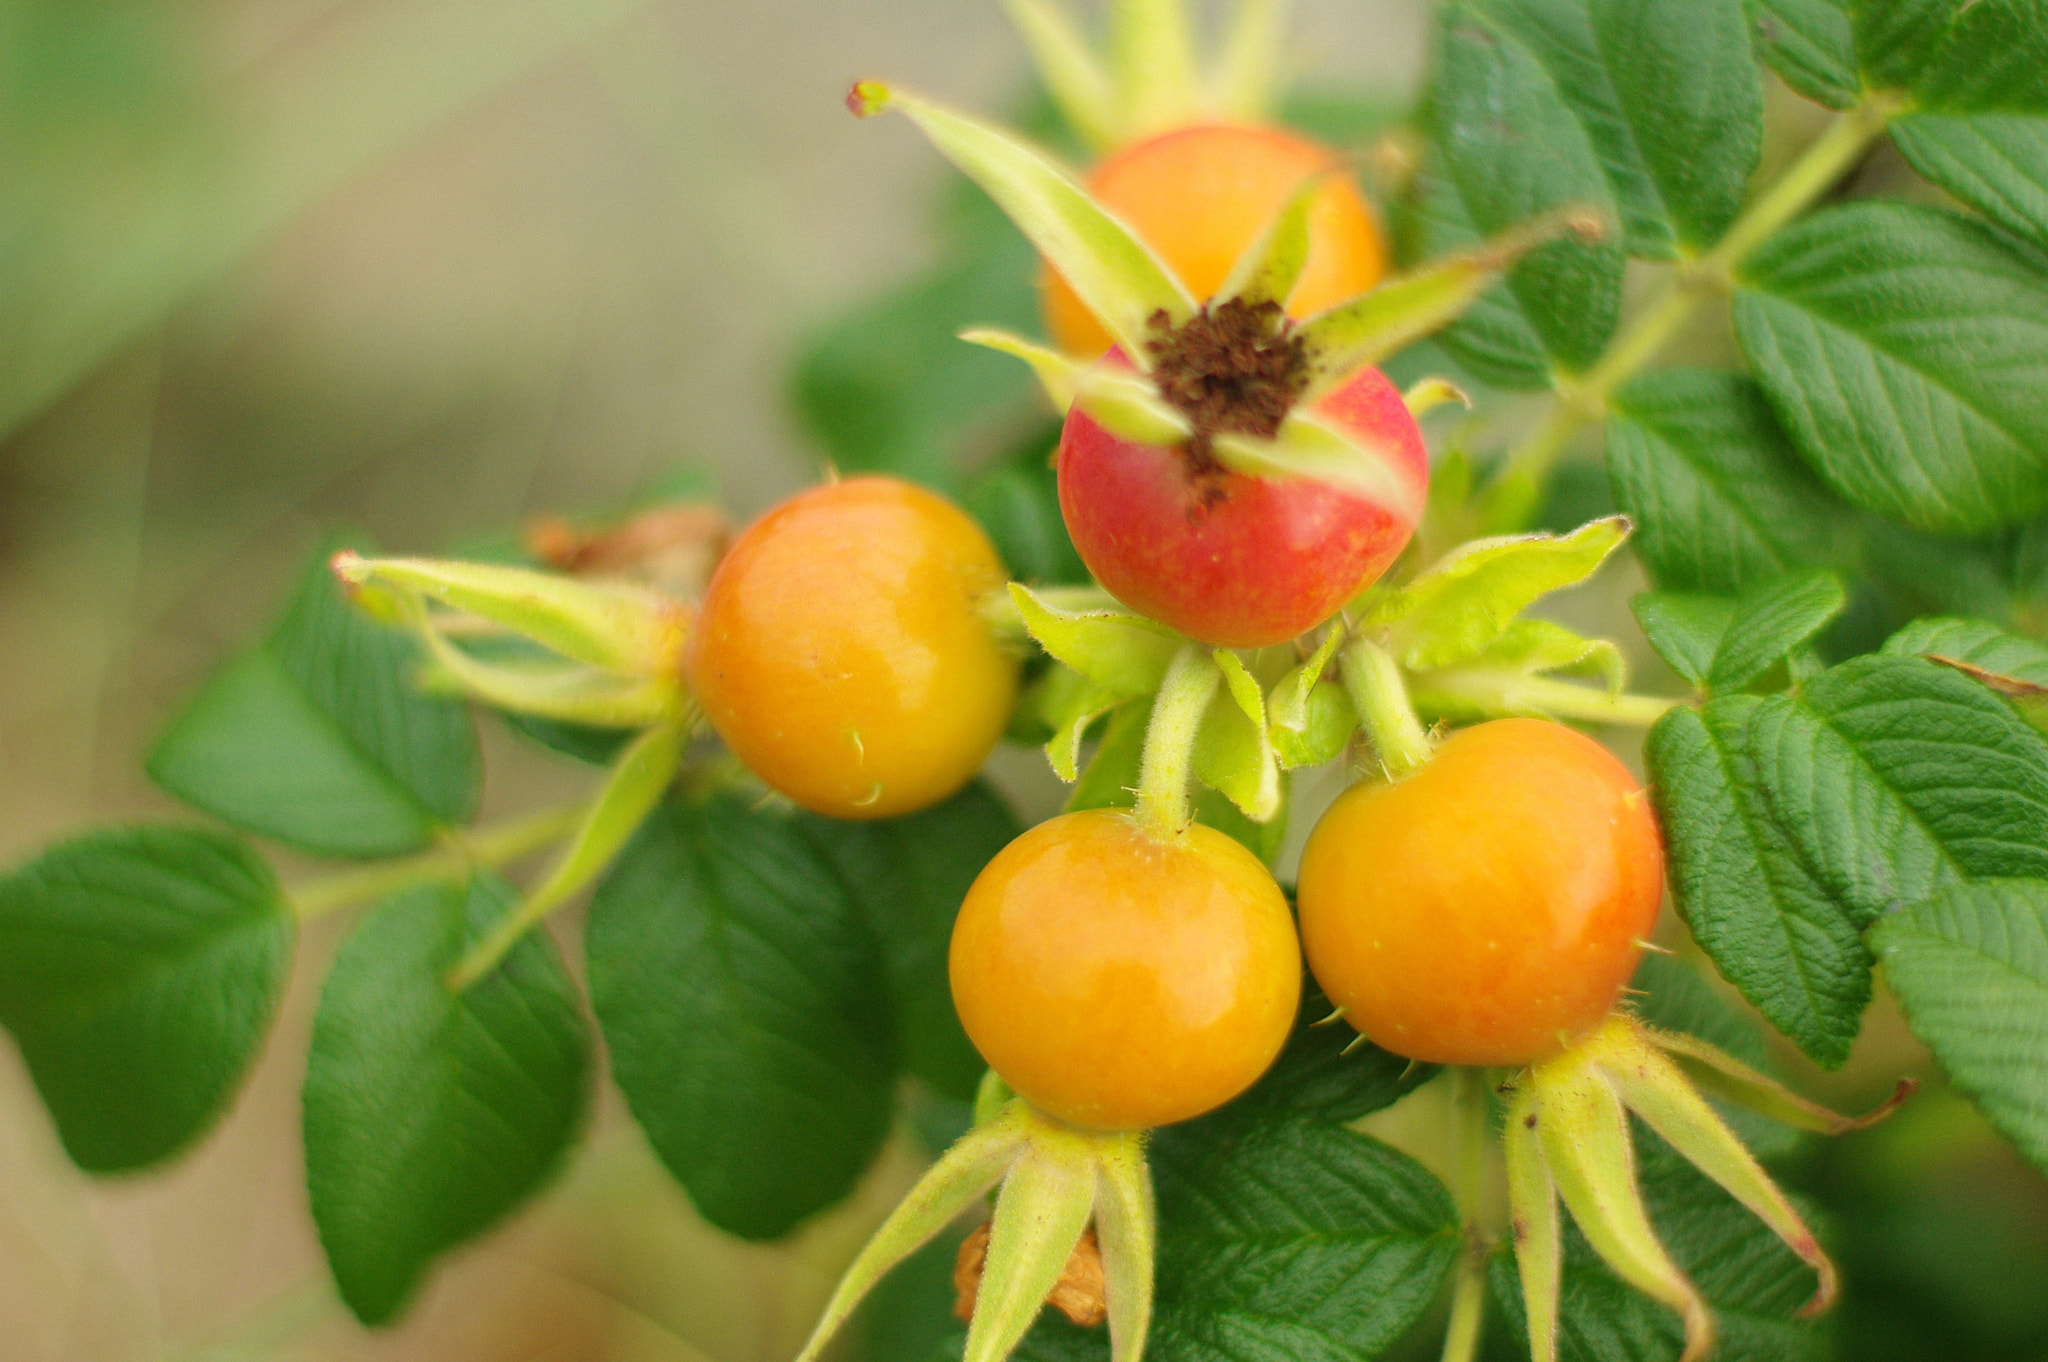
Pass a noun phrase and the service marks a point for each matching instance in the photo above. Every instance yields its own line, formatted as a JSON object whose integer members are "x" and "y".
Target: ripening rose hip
{"x": 1233, "y": 559}
{"x": 1198, "y": 196}
{"x": 1119, "y": 980}
{"x": 840, "y": 653}
{"x": 1489, "y": 908}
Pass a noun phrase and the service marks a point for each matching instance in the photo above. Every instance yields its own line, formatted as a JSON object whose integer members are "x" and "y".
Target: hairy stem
{"x": 1578, "y": 404}
{"x": 1191, "y": 681}
{"x": 489, "y": 849}
{"x": 1373, "y": 680}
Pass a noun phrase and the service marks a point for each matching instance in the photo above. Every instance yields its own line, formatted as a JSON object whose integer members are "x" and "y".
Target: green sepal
{"x": 1583, "y": 1131}
{"x": 1123, "y": 653}
{"x": 1114, "y": 274}
{"x": 1307, "y": 446}
{"x": 975, "y": 1163}
{"x": 1533, "y": 1222}
{"x": 1059, "y": 375}
{"x": 1242, "y": 80}
{"x": 1718, "y": 1074}
{"x": 1078, "y": 703}
{"x": 1426, "y": 395}
{"x": 1652, "y": 1087}
{"x": 1077, "y": 81}
{"x": 638, "y": 778}
{"x": 616, "y": 626}
{"x": 1128, "y": 406}
{"x": 1269, "y": 268}
{"x": 1234, "y": 751}
{"x": 1364, "y": 330}
{"x": 567, "y": 692}
{"x": 1046, "y": 1200}
{"x": 1152, "y": 64}
{"x": 1127, "y": 1232}
{"x": 1309, "y": 717}
{"x": 1465, "y": 602}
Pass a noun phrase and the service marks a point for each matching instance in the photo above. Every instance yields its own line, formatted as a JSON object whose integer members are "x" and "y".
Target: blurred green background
{"x": 429, "y": 267}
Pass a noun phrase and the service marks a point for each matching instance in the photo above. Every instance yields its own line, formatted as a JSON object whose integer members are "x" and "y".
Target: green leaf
{"x": 1496, "y": 680}
{"x": 1493, "y": 339}
{"x": 1327, "y": 1072}
{"x": 1970, "y": 968}
{"x": 1716, "y": 492}
{"x": 1686, "y": 82}
{"x": 139, "y": 969}
{"x": 1467, "y": 600}
{"x": 1754, "y": 633}
{"x": 1810, "y": 45}
{"x": 1295, "y": 1238}
{"x": 1979, "y": 122}
{"x": 1739, "y": 882}
{"x": 1896, "y": 777}
{"x": 1514, "y": 148}
{"x": 1686, "y": 630}
{"x": 908, "y": 876}
{"x": 431, "y": 1114}
{"x": 1124, "y": 653}
{"x": 1752, "y": 1282}
{"x": 1895, "y": 38}
{"x": 1906, "y": 349}
{"x": 1017, "y": 502}
{"x": 745, "y": 1011}
{"x": 2014, "y": 667}
{"x": 319, "y": 737}
{"x": 1233, "y": 749}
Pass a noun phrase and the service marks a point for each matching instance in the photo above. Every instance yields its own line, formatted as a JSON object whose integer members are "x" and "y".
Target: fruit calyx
{"x": 1232, "y": 368}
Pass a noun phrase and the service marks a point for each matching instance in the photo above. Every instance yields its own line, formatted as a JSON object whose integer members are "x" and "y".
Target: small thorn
{"x": 867, "y": 98}
{"x": 1413, "y": 1065}
{"x": 1641, "y": 944}
{"x": 1335, "y": 1016}
{"x": 1358, "y": 1041}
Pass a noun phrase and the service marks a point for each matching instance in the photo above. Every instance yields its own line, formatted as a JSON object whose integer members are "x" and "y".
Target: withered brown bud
{"x": 1078, "y": 1294}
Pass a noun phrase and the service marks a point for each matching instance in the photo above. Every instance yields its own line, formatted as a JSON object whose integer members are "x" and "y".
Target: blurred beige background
{"x": 424, "y": 267}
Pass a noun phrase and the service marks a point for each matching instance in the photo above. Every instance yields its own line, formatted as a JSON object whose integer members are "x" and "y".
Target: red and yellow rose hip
{"x": 841, "y": 655}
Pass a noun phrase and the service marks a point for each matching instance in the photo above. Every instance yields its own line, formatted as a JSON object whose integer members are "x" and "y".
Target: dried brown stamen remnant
{"x": 1079, "y": 1294}
{"x": 1232, "y": 367}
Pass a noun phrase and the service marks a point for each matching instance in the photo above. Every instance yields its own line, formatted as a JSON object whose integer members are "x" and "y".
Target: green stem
{"x": 489, "y": 849}
{"x": 1373, "y": 680}
{"x": 1582, "y": 402}
{"x": 1514, "y": 692}
{"x": 1192, "y": 679}
{"x": 1468, "y": 1188}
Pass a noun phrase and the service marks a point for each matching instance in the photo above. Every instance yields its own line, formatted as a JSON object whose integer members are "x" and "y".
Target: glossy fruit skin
{"x": 840, "y": 655}
{"x": 1233, "y": 560}
{"x": 1198, "y": 196}
{"x": 1487, "y": 909}
{"x": 1119, "y": 981}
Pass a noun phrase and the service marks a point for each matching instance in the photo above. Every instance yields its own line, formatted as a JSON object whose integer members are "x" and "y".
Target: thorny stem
{"x": 1581, "y": 402}
{"x": 489, "y": 849}
{"x": 1373, "y": 680}
{"x": 1192, "y": 679}
{"x": 1468, "y": 1180}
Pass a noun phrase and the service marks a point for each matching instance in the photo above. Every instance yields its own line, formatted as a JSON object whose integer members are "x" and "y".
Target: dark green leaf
{"x": 1017, "y": 501}
{"x": 1896, "y": 777}
{"x": 1970, "y": 968}
{"x": 1809, "y": 44}
{"x": 430, "y": 1115}
{"x": 1326, "y": 1073}
{"x": 908, "y": 876}
{"x": 1559, "y": 34}
{"x": 1719, "y": 499}
{"x": 2007, "y": 657}
{"x": 1686, "y": 81}
{"x": 1751, "y": 1281}
{"x": 1686, "y": 630}
{"x": 1515, "y": 148}
{"x": 1295, "y": 1239}
{"x": 1772, "y": 929}
{"x": 1895, "y": 38}
{"x": 319, "y": 736}
{"x": 745, "y": 1011}
{"x": 138, "y": 971}
{"x": 1906, "y": 349}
